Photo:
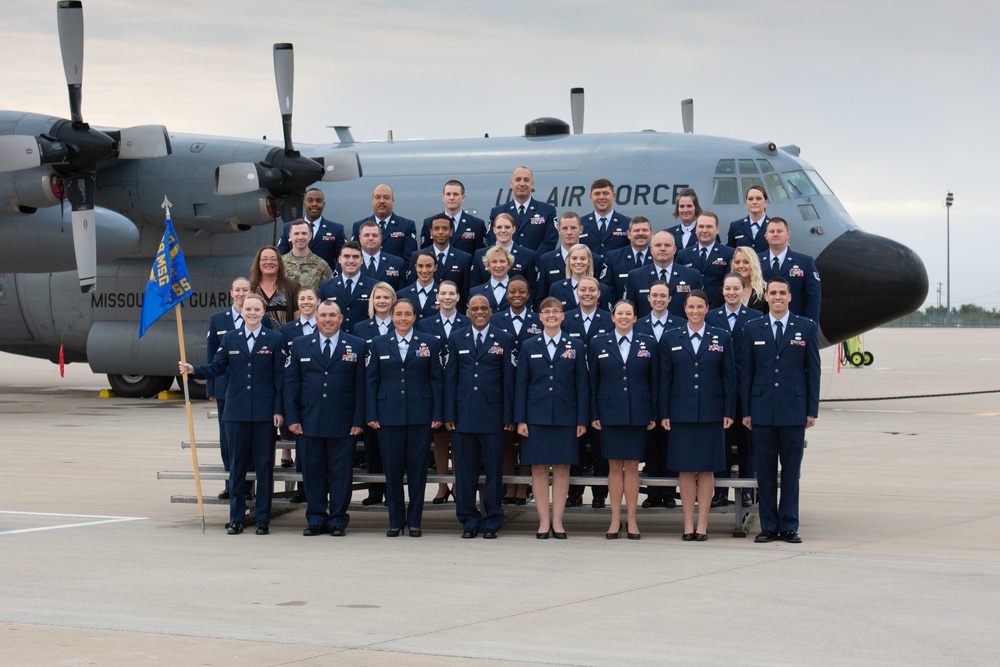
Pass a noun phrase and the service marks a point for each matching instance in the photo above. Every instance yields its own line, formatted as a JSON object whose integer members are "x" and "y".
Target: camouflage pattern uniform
{"x": 308, "y": 271}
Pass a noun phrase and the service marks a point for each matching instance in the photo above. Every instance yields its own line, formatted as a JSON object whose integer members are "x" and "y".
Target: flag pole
{"x": 187, "y": 399}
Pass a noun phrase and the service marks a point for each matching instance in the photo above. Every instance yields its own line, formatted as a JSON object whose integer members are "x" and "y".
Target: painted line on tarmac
{"x": 101, "y": 520}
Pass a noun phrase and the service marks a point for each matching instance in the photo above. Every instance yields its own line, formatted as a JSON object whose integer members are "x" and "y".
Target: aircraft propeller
{"x": 687, "y": 115}
{"x": 576, "y": 106}
{"x": 286, "y": 173}
{"x": 74, "y": 150}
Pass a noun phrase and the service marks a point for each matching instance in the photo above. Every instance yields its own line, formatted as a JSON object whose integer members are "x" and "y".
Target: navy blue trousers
{"x": 327, "y": 474}
{"x": 773, "y": 445}
{"x": 471, "y": 450}
{"x": 405, "y": 448}
{"x": 250, "y": 442}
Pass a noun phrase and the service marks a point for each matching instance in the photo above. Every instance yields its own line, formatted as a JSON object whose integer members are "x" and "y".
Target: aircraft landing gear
{"x": 139, "y": 386}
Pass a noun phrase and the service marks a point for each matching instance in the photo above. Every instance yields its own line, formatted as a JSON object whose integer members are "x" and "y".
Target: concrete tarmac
{"x": 900, "y": 562}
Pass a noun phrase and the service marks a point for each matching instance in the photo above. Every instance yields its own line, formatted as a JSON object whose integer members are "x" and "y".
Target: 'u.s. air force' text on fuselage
{"x": 639, "y": 194}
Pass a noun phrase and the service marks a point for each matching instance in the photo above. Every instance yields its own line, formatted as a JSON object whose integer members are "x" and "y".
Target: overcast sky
{"x": 893, "y": 103}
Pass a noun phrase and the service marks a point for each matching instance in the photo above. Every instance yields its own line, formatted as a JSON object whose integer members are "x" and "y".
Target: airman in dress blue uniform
{"x": 686, "y": 210}
{"x": 399, "y": 234}
{"x": 405, "y": 395}
{"x": 325, "y": 406}
{"x": 797, "y": 268}
{"x": 604, "y": 228}
{"x": 708, "y": 257}
{"x": 779, "y": 388}
{"x": 534, "y": 220}
{"x": 350, "y": 288}
{"x": 479, "y": 407}
{"x": 219, "y": 324}
{"x": 376, "y": 263}
{"x": 750, "y": 231}
{"x": 253, "y": 358}
{"x": 635, "y": 255}
{"x": 663, "y": 267}
{"x": 468, "y": 231}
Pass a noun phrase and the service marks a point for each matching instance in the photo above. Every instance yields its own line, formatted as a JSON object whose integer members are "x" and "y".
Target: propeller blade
{"x": 236, "y": 178}
{"x": 576, "y": 105}
{"x": 80, "y": 191}
{"x": 291, "y": 208}
{"x": 340, "y": 166}
{"x": 143, "y": 141}
{"x": 687, "y": 115}
{"x": 284, "y": 81}
{"x": 69, "y": 15}
{"x": 18, "y": 151}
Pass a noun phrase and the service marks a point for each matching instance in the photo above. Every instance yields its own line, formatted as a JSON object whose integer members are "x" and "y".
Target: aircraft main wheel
{"x": 139, "y": 386}
{"x": 869, "y": 358}
{"x": 197, "y": 389}
{"x": 856, "y": 359}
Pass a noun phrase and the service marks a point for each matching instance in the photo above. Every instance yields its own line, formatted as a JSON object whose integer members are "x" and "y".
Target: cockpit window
{"x": 808, "y": 212}
{"x": 724, "y": 191}
{"x": 765, "y": 166}
{"x": 748, "y": 167}
{"x": 798, "y": 184}
{"x": 775, "y": 189}
{"x": 726, "y": 167}
{"x": 747, "y": 183}
{"x": 818, "y": 181}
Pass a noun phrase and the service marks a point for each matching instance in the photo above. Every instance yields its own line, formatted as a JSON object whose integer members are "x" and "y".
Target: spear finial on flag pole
{"x": 168, "y": 286}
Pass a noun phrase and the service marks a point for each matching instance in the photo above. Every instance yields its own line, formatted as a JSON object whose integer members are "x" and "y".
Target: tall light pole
{"x": 948, "y": 201}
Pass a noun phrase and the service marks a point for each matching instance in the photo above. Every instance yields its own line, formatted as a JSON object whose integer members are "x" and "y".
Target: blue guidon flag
{"x": 168, "y": 279}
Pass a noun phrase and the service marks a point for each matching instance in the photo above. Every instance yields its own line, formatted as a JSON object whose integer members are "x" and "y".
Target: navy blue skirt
{"x": 625, "y": 443}
{"x": 550, "y": 445}
{"x": 696, "y": 447}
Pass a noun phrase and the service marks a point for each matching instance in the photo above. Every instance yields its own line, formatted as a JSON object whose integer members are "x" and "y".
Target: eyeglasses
{"x": 551, "y": 311}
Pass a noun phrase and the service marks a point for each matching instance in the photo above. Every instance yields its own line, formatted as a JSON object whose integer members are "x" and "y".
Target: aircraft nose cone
{"x": 868, "y": 280}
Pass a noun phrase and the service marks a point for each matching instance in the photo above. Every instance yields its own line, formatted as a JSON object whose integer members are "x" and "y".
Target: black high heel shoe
{"x": 441, "y": 500}
{"x": 393, "y": 532}
{"x": 613, "y": 536}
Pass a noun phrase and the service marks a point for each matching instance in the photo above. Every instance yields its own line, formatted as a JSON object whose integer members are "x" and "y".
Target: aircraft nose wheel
{"x": 139, "y": 386}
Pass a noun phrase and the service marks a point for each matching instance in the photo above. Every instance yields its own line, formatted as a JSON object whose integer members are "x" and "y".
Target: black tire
{"x": 197, "y": 389}
{"x": 856, "y": 359}
{"x": 869, "y": 358}
{"x": 139, "y": 386}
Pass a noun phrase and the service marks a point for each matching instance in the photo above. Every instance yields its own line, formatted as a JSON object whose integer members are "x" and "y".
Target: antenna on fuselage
{"x": 576, "y": 105}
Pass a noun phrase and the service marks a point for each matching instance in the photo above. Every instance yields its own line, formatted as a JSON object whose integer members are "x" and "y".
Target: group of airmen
{"x": 535, "y": 339}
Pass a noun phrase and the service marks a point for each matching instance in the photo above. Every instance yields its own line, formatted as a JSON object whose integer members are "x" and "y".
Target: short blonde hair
{"x": 492, "y": 253}
{"x": 371, "y": 297}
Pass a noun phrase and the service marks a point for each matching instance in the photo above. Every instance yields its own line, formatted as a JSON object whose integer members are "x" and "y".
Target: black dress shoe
{"x": 298, "y": 497}
{"x": 700, "y": 537}
{"x": 558, "y": 536}
{"x": 263, "y": 528}
{"x": 688, "y": 537}
{"x": 415, "y": 532}
{"x": 598, "y": 503}
{"x": 224, "y": 494}
{"x": 337, "y": 531}
{"x": 542, "y": 536}
{"x": 574, "y": 500}
{"x": 393, "y": 532}
{"x": 371, "y": 500}
{"x": 670, "y": 503}
{"x": 650, "y": 502}
{"x": 790, "y": 536}
{"x": 313, "y": 531}
{"x": 765, "y": 536}
{"x": 506, "y": 500}
{"x": 519, "y": 501}
{"x": 720, "y": 500}
{"x": 469, "y": 533}
{"x": 235, "y": 528}
{"x": 746, "y": 499}
{"x": 287, "y": 463}
{"x": 490, "y": 535}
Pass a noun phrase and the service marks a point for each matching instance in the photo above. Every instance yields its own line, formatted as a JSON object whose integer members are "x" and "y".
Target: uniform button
{"x": 475, "y": 389}
{"x": 775, "y": 384}
{"x": 775, "y": 370}
{"x": 402, "y": 380}
{"x": 475, "y": 375}
{"x": 778, "y": 358}
{"x": 402, "y": 391}
{"x": 626, "y": 388}
{"x": 696, "y": 386}
{"x": 248, "y": 386}
{"x": 696, "y": 364}
{"x": 477, "y": 363}
{"x": 326, "y": 372}
{"x": 696, "y": 375}
{"x": 550, "y": 388}
{"x": 324, "y": 395}
{"x": 325, "y": 385}
{"x": 551, "y": 378}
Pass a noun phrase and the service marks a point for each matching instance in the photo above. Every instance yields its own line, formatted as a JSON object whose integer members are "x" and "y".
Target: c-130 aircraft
{"x": 83, "y": 291}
